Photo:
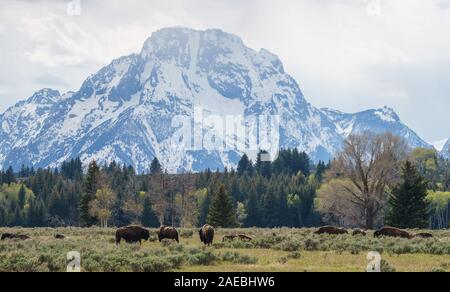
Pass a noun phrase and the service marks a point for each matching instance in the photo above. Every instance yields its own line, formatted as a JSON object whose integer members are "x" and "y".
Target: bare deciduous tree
{"x": 172, "y": 198}
{"x": 356, "y": 184}
{"x": 133, "y": 207}
{"x": 100, "y": 207}
{"x": 158, "y": 195}
{"x": 185, "y": 201}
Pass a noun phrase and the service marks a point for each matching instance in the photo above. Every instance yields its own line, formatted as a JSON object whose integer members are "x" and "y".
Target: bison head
{"x": 146, "y": 234}
{"x": 200, "y": 233}
{"x": 160, "y": 233}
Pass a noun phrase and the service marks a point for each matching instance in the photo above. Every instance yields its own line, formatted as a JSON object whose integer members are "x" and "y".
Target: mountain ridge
{"x": 125, "y": 111}
{"x": 376, "y": 120}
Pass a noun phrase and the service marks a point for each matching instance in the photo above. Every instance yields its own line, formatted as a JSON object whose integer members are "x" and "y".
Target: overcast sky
{"x": 346, "y": 54}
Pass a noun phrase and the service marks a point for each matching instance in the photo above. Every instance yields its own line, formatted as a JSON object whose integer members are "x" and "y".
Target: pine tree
{"x": 9, "y": 176}
{"x": 221, "y": 213}
{"x": 409, "y": 206}
{"x": 119, "y": 216}
{"x": 24, "y": 171}
{"x": 244, "y": 165}
{"x": 263, "y": 167}
{"x": 16, "y": 215}
{"x": 2, "y": 216}
{"x": 283, "y": 209}
{"x": 37, "y": 214}
{"x": 93, "y": 183}
{"x": 22, "y": 196}
{"x": 204, "y": 208}
{"x": 253, "y": 214}
{"x": 148, "y": 217}
{"x": 270, "y": 210}
{"x": 41, "y": 214}
{"x": 155, "y": 167}
{"x": 320, "y": 171}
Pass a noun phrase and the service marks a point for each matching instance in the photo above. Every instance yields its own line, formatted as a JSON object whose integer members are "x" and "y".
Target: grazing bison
{"x": 232, "y": 237}
{"x": 424, "y": 235}
{"x": 168, "y": 233}
{"x": 228, "y": 238}
{"x": 392, "y": 232}
{"x": 132, "y": 234}
{"x": 14, "y": 236}
{"x": 244, "y": 237}
{"x": 60, "y": 236}
{"x": 207, "y": 234}
{"x": 357, "y": 232}
{"x": 331, "y": 230}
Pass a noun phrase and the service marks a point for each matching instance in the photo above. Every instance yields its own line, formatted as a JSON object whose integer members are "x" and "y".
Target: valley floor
{"x": 271, "y": 250}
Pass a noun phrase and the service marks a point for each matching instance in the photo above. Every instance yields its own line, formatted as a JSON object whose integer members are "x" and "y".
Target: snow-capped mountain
{"x": 444, "y": 149}
{"x": 377, "y": 121}
{"x": 439, "y": 145}
{"x": 130, "y": 111}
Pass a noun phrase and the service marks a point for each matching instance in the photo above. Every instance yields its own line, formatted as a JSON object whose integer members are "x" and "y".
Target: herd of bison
{"x": 135, "y": 234}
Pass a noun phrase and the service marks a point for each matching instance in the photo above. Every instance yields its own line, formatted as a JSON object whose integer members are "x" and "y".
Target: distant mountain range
{"x": 126, "y": 111}
{"x": 443, "y": 148}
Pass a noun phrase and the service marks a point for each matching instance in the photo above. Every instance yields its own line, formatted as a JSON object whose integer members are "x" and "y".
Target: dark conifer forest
{"x": 282, "y": 193}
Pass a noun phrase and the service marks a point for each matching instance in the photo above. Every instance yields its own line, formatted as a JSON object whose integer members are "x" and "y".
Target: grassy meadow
{"x": 271, "y": 250}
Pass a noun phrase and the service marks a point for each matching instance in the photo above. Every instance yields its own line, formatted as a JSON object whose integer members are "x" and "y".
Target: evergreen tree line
{"x": 261, "y": 194}
{"x": 256, "y": 194}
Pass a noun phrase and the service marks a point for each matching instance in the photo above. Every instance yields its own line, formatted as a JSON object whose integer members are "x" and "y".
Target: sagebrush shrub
{"x": 237, "y": 258}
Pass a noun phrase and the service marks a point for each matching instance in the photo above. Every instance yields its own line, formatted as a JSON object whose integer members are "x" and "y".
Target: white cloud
{"x": 49, "y": 80}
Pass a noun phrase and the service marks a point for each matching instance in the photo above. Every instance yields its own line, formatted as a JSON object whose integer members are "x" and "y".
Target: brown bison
{"x": 207, "y": 234}
{"x": 424, "y": 235}
{"x": 357, "y": 232}
{"x": 228, "y": 238}
{"x": 132, "y": 234}
{"x": 244, "y": 237}
{"x": 168, "y": 233}
{"x": 60, "y": 236}
{"x": 331, "y": 230}
{"x": 392, "y": 232}
{"x": 232, "y": 237}
{"x": 14, "y": 236}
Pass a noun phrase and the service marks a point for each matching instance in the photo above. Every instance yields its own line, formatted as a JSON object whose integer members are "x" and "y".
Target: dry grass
{"x": 272, "y": 250}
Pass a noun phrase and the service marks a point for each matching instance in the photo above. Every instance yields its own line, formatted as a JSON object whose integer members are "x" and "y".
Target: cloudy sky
{"x": 346, "y": 54}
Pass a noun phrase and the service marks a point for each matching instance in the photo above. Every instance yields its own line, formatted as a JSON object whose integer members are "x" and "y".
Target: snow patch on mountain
{"x": 387, "y": 115}
{"x": 444, "y": 151}
{"x": 377, "y": 121}
{"x": 439, "y": 145}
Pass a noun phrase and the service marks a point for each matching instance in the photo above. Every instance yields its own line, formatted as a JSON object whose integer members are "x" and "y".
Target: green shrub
{"x": 186, "y": 233}
{"x": 167, "y": 242}
{"x": 438, "y": 270}
{"x": 311, "y": 244}
{"x": 387, "y": 267}
{"x": 290, "y": 245}
{"x": 201, "y": 257}
{"x": 294, "y": 255}
{"x": 283, "y": 260}
{"x": 176, "y": 248}
{"x": 150, "y": 265}
{"x": 153, "y": 238}
{"x": 237, "y": 258}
